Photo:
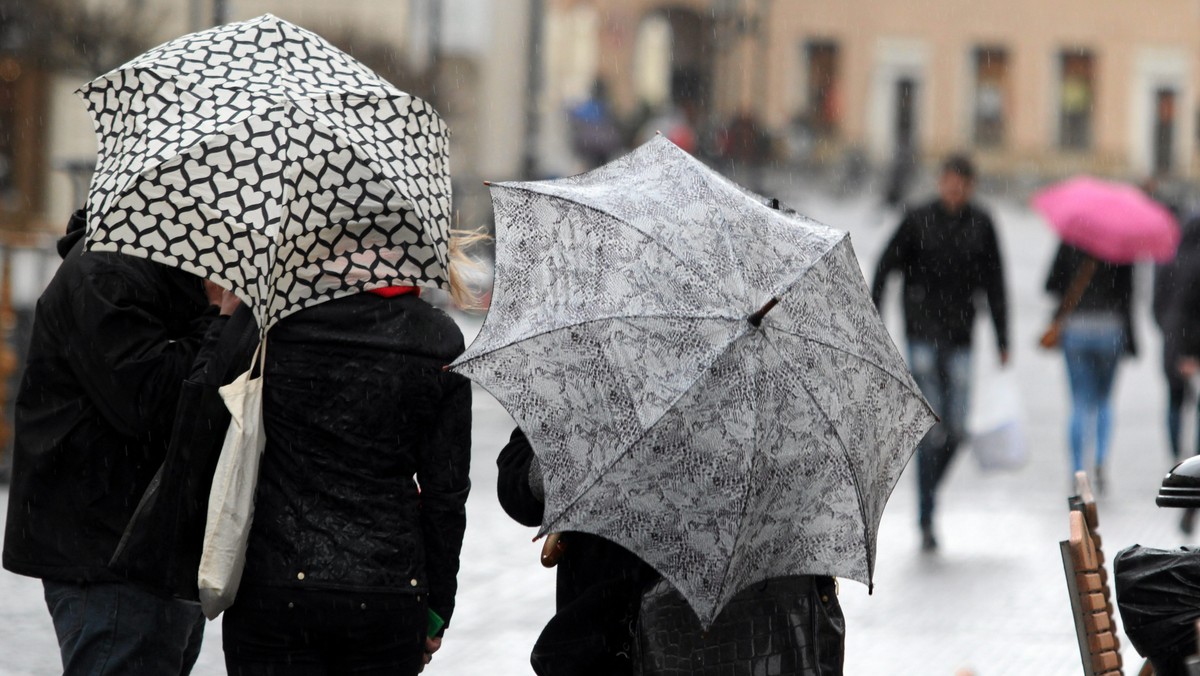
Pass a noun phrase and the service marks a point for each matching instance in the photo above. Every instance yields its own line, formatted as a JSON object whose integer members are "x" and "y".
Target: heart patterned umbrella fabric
{"x": 261, "y": 157}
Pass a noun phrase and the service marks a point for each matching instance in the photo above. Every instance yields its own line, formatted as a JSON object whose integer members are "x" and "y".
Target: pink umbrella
{"x": 1114, "y": 222}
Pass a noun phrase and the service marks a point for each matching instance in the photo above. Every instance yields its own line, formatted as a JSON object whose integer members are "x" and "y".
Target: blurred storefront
{"x": 1106, "y": 86}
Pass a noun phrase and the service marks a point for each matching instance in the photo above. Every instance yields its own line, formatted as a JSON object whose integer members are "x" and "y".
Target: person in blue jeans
{"x": 1095, "y": 335}
{"x": 948, "y": 256}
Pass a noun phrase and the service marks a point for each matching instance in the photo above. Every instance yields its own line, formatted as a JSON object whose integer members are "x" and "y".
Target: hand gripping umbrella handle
{"x": 552, "y": 550}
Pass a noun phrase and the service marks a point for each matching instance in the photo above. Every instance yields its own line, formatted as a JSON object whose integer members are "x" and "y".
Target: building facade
{"x": 1105, "y": 86}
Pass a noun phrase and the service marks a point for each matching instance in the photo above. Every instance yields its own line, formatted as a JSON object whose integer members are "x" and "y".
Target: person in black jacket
{"x": 599, "y": 583}
{"x": 1170, "y": 281}
{"x": 948, "y": 256}
{"x": 113, "y": 338}
{"x": 360, "y": 508}
{"x": 616, "y": 615}
{"x": 1094, "y": 337}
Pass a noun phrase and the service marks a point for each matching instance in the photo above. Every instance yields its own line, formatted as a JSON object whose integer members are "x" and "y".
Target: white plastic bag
{"x": 997, "y": 424}
{"x": 231, "y": 503}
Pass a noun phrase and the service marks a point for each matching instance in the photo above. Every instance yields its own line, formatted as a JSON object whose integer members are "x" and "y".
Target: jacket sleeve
{"x": 444, "y": 478}
{"x": 895, "y": 257}
{"x": 994, "y": 287}
{"x": 1164, "y": 285}
{"x": 129, "y": 361}
{"x": 1184, "y": 312}
{"x": 512, "y": 483}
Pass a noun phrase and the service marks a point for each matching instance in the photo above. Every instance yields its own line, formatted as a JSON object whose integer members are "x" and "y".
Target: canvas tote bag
{"x": 231, "y": 502}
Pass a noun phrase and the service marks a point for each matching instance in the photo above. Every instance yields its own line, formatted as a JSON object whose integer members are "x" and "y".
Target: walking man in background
{"x": 947, "y": 255}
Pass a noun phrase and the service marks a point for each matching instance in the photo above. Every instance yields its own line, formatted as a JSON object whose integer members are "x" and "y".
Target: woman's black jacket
{"x": 364, "y": 479}
{"x": 1110, "y": 289}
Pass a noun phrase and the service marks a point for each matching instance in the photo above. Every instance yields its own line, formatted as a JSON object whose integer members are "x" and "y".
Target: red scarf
{"x": 393, "y": 291}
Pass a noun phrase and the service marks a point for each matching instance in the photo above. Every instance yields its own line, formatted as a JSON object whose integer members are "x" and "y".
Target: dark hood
{"x": 75, "y": 231}
{"x": 186, "y": 289}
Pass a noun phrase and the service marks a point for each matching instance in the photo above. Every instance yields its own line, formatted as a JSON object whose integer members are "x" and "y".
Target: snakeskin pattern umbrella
{"x": 258, "y": 155}
{"x": 703, "y": 378}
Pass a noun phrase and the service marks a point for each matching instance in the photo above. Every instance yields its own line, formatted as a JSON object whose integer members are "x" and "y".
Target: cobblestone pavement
{"x": 993, "y": 599}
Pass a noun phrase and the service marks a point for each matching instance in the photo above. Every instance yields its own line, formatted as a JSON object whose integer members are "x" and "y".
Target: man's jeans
{"x": 944, "y": 375}
{"x": 115, "y": 628}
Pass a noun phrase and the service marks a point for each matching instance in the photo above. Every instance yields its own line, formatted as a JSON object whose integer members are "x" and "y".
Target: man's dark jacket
{"x": 113, "y": 338}
{"x": 946, "y": 260}
{"x": 356, "y": 403}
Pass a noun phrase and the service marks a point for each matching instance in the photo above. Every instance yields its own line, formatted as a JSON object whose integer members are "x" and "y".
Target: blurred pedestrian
{"x": 359, "y": 514}
{"x": 112, "y": 341}
{"x": 948, "y": 257}
{"x": 1094, "y": 336}
{"x": 595, "y": 135}
{"x": 1182, "y": 323}
{"x": 1170, "y": 280}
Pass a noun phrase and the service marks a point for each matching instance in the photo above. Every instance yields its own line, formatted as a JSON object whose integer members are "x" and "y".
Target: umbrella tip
{"x": 487, "y": 183}
{"x": 445, "y": 367}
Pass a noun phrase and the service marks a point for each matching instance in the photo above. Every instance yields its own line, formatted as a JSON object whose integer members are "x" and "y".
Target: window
{"x": 824, "y": 97}
{"x": 10, "y": 70}
{"x": 991, "y": 95}
{"x": 1076, "y": 98}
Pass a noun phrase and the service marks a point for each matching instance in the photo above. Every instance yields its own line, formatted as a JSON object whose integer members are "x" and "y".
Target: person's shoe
{"x": 1188, "y": 523}
{"x": 928, "y": 541}
{"x": 1098, "y": 479}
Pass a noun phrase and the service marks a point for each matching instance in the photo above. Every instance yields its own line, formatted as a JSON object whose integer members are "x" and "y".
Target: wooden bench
{"x": 1088, "y": 585}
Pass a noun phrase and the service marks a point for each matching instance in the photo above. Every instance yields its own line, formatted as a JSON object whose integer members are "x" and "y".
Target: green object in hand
{"x": 435, "y": 624}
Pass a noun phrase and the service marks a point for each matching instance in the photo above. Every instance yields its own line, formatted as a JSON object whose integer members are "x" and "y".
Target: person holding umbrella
{"x": 1094, "y": 336}
{"x": 317, "y": 192}
{"x": 948, "y": 255}
{"x": 113, "y": 339}
{"x": 705, "y": 383}
{"x": 351, "y": 565}
{"x": 1104, "y": 227}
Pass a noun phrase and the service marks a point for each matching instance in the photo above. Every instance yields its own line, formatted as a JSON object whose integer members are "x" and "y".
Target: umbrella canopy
{"x": 260, "y": 156}
{"x": 1114, "y": 222}
{"x": 674, "y": 409}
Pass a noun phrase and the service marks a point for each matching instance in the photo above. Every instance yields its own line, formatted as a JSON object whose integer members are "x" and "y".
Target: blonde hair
{"x": 463, "y": 267}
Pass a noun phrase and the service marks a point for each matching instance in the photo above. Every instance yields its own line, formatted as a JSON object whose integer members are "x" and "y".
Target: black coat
{"x": 1109, "y": 291}
{"x": 1174, "y": 283}
{"x": 113, "y": 338}
{"x": 599, "y": 584}
{"x": 356, "y": 403}
{"x": 946, "y": 261}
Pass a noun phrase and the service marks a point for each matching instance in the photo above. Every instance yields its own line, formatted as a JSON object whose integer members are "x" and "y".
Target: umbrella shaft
{"x": 756, "y": 318}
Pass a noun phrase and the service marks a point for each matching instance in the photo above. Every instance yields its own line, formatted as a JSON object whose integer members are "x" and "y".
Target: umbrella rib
{"x": 858, "y": 494}
{"x": 843, "y": 350}
{"x": 648, "y": 235}
{"x": 751, "y": 474}
{"x": 585, "y": 322}
{"x": 600, "y": 475}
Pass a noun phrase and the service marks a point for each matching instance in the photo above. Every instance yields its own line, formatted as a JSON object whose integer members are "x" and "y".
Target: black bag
{"x": 1158, "y": 594}
{"x": 160, "y": 548}
{"x": 789, "y": 626}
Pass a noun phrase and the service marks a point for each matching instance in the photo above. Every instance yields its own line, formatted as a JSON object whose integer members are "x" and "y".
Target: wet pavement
{"x": 992, "y": 599}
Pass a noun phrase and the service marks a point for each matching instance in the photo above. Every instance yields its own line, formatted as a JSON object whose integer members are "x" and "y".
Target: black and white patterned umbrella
{"x": 258, "y": 155}
{"x": 721, "y": 444}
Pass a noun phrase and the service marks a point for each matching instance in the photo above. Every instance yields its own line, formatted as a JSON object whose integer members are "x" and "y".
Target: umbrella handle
{"x": 552, "y": 550}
